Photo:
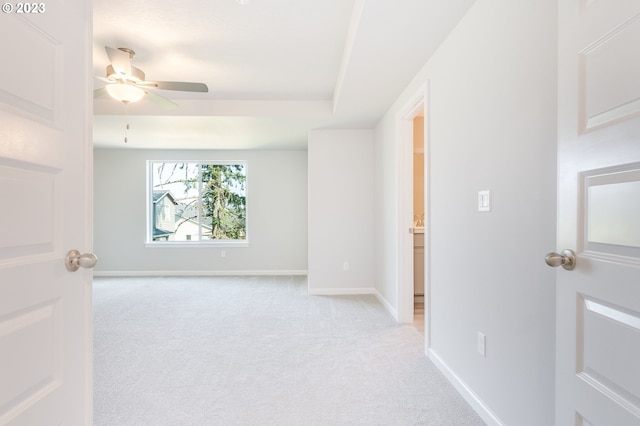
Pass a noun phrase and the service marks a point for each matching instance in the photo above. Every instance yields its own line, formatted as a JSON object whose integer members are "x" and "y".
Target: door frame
{"x": 416, "y": 104}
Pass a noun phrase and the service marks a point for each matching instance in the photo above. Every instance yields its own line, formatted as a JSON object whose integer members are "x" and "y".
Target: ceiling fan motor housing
{"x": 137, "y": 74}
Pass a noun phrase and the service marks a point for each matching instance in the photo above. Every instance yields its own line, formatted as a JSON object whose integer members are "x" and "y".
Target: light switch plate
{"x": 484, "y": 201}
{"x": 482, "y": 344}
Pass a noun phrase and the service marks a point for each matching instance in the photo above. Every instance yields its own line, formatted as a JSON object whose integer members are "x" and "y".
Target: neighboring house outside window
{"x": 189, "y": 229}
{"x": 163, "y": 225}
{"x": 198, "y": 202}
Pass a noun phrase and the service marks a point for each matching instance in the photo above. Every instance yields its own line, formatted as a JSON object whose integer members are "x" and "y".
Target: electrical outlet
{"x": 482, "y": 344}
{"x": 345, "y": 266}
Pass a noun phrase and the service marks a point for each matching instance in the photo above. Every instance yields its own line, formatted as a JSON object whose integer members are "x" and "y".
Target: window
{"x": 197, "y": 202}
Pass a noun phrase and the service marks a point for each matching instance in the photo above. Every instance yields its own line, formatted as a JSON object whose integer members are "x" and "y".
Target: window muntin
{"x": 197, "y": 202}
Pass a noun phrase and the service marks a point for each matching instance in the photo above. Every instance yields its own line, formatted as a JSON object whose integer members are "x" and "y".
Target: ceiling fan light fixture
{"x": 124, "y": 92}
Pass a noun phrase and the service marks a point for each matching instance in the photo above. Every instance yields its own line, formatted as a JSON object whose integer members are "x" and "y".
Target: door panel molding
{"x": 24, "y": 236}
{"x": 609, "y": 227}
{"x": 37, "y": 374}
{"x": 39, "y": 95}
{"x": 600, "y": 103}
{"x": 608, "y": 330}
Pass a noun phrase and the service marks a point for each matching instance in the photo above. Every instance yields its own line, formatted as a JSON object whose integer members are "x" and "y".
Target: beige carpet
{"x": 259, "y": 351}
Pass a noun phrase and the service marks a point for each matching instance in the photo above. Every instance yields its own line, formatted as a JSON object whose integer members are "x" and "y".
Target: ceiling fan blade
{"x": 106, "y": 80}
{"x": 99, "y": 92}
{"x": 160, "y": 100}
{"x": 120, "y": 60}
{"x": 177, "y": 85}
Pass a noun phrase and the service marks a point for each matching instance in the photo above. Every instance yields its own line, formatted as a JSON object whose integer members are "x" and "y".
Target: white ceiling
{"x": 275, "y": 68}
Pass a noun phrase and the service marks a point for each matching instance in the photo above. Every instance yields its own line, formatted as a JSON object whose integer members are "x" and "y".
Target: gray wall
{"x": 341, "y": 211}
{"x": 490, "y": 124}
{"x": 277, "y": 215}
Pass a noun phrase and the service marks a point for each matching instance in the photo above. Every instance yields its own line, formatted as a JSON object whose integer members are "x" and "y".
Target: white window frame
{"x": 150, "y": 243}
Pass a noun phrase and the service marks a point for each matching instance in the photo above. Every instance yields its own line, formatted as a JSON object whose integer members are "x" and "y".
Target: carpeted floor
{"x": 259, "y": 351}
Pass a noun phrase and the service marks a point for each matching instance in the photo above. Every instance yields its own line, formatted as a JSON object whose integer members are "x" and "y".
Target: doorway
{"x": 407, "y": 120}
{"x": 418, "y": 222}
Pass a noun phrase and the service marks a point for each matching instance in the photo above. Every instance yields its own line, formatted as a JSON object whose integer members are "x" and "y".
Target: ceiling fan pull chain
{"x": 126, "y": 113}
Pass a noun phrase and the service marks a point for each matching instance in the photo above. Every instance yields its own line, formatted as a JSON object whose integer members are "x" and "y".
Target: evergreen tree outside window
{"x": 196, "y": 201}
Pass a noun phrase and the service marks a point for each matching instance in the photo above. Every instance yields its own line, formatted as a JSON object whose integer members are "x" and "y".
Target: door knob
{"x": 75, "y": 260}
{"x": 567, "y": 259}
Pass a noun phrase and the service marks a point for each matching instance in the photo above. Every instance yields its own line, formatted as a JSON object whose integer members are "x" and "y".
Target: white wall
{"x": 386, "y": 199}
{"x": 277, "y": 215}
{"x": 340, "y": 211}
{"x": 491, "y": 124}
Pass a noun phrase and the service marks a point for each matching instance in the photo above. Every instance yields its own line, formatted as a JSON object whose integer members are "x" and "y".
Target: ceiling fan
{"x": 127, "y": 83}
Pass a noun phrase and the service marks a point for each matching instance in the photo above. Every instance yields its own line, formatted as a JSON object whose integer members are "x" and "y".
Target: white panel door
{"x": 45, "y": 210}
{"x": 598, "y": 303}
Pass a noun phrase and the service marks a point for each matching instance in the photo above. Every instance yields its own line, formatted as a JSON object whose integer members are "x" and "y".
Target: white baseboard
{"x": 354, "y": 291}
{"x": 387, "y": 305}
{"x": 474, "y": 401}
{"x": 196, "y": 273}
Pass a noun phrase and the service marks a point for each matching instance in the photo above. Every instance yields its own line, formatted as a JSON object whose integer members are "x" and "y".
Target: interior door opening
{"x": 418, "y": 221}
{"x": 413, "y": 218}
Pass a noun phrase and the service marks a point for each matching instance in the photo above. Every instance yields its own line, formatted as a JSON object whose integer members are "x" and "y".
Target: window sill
{"x": 196, "y": 244}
